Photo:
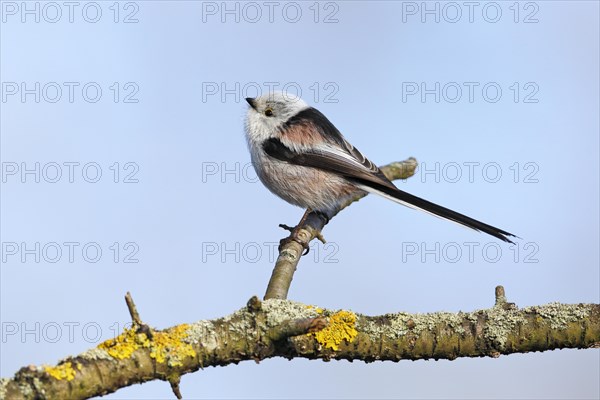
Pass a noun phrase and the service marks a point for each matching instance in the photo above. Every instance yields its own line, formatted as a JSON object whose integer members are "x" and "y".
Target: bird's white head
{"x": 267, "y": 113}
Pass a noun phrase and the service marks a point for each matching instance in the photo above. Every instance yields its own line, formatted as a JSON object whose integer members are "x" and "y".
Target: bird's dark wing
{"x": 329, "y": 148}
{"x": 329, "y": 151}
{"x": 328, "y": 158}
{"x": 312, "y": 120}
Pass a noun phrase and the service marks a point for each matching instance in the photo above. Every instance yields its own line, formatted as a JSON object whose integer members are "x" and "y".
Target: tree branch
{"x": 310, "y": 228}
{"x": 282, "y": 328}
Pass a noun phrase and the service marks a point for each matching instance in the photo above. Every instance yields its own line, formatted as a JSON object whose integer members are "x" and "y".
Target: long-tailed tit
{"x": 301, "y": 157}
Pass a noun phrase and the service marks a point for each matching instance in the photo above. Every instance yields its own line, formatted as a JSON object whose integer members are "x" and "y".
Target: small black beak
{"x": 250, "y": 101}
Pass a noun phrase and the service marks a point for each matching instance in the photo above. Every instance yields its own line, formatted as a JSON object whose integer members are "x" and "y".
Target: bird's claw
{"x": 287, "y": 227}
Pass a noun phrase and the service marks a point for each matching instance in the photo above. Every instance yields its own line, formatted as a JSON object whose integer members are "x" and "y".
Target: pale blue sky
{"x": 188, "y": 209}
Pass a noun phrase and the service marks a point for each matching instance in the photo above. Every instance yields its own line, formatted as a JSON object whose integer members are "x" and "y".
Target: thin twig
{"x": 310, "y": 228}
{"x": 135, "y": 316}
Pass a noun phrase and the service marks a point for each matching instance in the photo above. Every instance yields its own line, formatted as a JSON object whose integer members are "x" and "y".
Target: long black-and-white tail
{"x": 418, "y": 203}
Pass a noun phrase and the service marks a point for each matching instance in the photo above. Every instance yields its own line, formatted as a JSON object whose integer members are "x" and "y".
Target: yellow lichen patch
{"x": 164, "y": 346}
{"x": 125, "y": 344}
{"x": 169, "y": 346}
{"x": 62, "y": 371}
{"x": 341, "y": 327}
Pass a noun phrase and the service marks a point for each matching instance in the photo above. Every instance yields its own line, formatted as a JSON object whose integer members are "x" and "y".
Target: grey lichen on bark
{"x": 282, "y": 328}
{"x": 310, "y": 228}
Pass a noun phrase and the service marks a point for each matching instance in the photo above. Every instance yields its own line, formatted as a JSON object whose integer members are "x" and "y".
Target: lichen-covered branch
{"x": 310, "y": 228}
{"x": 282, "y": 328}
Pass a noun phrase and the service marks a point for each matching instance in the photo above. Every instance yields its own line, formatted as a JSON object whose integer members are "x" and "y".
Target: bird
{"x": 301, "y": 157}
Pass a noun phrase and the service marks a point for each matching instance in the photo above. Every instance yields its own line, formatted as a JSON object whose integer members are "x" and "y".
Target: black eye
{"x": 269, "y": 112}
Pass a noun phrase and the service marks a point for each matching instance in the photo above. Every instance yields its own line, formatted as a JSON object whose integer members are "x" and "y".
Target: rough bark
{"x": 282, "y": 328}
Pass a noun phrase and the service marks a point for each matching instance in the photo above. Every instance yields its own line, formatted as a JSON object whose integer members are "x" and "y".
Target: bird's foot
{"x": 294, "y": 237}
